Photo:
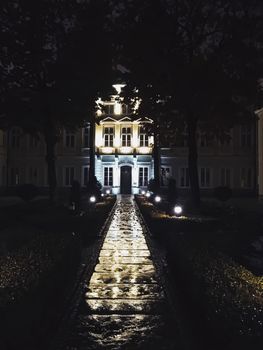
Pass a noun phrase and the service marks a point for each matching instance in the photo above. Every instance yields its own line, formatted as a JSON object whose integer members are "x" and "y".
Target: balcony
{"x": 124, "y": 150}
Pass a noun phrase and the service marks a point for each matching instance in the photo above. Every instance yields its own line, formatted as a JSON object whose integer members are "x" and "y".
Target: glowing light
{"x": 145, "y": 150}
{"x": 108, "y": 191}
{"x": 107, "y": 150}
{"x": 102, "y": 195}
{"x": 178, "y": 210}
{"x": 143, "y": 192}
{"x": 148, "y": 194}
{"x": 157, "y": 199}
{"x": 92, "y": 199}
{"x": 126, "y": 150}
{"x": 117, "y": 108}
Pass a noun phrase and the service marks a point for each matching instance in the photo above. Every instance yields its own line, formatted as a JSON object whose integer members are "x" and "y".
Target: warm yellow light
{"x": 145, "y": 150}
{"x": 107, "y": 150}
{"x": 126, "y": 150}
{"x": 117, "y": 142}
{"x": 117, "y": 108}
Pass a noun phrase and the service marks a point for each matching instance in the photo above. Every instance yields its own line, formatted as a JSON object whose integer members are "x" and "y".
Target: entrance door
{"x": 125, "y": 180}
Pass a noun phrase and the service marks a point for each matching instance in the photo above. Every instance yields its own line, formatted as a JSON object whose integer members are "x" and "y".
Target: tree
{"x": 52, "y": 77}
{"x": 203, "y": 59}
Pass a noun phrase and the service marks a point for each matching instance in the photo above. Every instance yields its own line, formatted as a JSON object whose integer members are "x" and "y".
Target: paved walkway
{"x": 124, "y": 306}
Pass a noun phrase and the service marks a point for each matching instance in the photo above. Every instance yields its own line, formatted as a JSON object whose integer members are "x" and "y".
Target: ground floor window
{"x": 33, "y": 175}
{"x": 108, "y": 176}
{"x": 184, "y": 177}
{"x": 85, "y": 176}
{"x": 143, "y": 176}
{"x": 165, "y": 175}
{"x": 69, "y": 175}
{"x": 246, "y": 178}
{"x": 205, "y": 177}
{"x": 225, "y": 177}
{"x": 14, "y": 176}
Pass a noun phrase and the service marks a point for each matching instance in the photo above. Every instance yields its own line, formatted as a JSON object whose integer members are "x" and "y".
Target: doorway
{"x": 126, "y": 179}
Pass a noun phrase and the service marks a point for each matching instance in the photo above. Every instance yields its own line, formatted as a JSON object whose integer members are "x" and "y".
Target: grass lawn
{"x": 41, "y": 249}
{"x": 204, "y": 253}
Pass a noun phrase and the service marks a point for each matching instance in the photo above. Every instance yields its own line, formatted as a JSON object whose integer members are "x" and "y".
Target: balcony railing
{"x": 124, "y": 150}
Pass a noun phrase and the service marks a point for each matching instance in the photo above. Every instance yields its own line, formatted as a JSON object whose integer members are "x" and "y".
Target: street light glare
{"x": 92, "y": 199}
{"x": 178, "y": 210}
{"x": 157, "y": 199}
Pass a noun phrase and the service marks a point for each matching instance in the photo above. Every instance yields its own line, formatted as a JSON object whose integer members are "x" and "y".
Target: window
{"x": 15, "y": 138}
{"x": 33, "y": 176}
{"x": 126, "y": 137}
{"x": 14, "y": 176}
{"x": 246, "y": 136}
{"x": 69, "y": 175}
{"x": 33, "y": 141}
{"x": 85, "y": 176}
{"x": 143, "y": 176}
{"x": 205, "y": 177}
{"x": 86, "y": 132}
{"x": 165, "y": 175}
{"x": 246, "y": 178}
{"x": 69, "y": 139}
{"x": 108, "y": 136}
{"x": 109, "y": 109}
{"x": 184, "y": 177}
{"x": 204, "y": 140}
{"x": 108, "y": 176}
{"x": 125, "y": 109}
{"x": 144, "y": 139}
{"x": 225, "y": 177}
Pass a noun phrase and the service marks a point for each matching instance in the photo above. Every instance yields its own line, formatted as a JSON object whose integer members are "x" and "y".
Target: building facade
{"x": 123, "y": 156}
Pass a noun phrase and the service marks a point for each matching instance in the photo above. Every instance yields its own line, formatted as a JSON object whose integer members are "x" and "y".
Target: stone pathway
{"x": 124, "y": 306}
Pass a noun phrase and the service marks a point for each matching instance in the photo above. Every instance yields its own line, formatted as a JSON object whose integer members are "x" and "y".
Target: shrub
{"x": 172, "y": 191}
{"x": 152, "y": 186}
{"x": 27, "y": 191}
{"x": 222, "y": 193}
{"x": 94, "y": 188}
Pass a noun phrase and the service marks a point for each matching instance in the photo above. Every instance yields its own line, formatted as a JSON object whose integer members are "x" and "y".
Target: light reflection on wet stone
{"x": 124, "y": 306}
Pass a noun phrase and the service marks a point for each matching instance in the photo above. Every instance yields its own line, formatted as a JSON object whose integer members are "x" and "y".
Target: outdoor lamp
{"x": 148, "y": 195}
{"x": 143, "y": 192}
{"x": 92, "y": 199}
{"x": 157, "y": 199}
{"x": 178, "y": 210}
{"x": 107, "y": 191}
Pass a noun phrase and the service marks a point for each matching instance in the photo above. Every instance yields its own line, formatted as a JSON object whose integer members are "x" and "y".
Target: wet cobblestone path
{"x": 124, "y": 305}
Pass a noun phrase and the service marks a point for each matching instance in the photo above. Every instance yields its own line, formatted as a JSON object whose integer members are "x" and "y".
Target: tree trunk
{"x": 92, "y": 150}
{"x": 50, "y": 139}
{"x": 192, "y": 161}
{"x": 156, "y": 153}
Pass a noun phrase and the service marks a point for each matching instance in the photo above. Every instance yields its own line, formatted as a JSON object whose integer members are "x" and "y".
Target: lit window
{"x": 69, "y": 175}
{"x": 69, "y": 139}
{"x": 205, "y": 177}
{"x": 126, "y": 136}
{"x": 246, "y": 136}
{"x": 225, "y": 177}
{"x": 246, "y": 178}
{"x": 165, "y": 175}
{"x": 108, "y": 136}
{"x": 144, "y": 139}
{"x": 108, "y": 176}
{"x": 184, "y": 177}
{"x": 143, "y": 176}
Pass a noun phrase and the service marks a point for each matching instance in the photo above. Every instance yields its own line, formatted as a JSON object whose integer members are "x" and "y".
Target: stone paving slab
{"x": 124, "y": 332}
{"x": 124, "y": 291}
{"x": 124, "y": 306}
{"x": 123, "y": 277}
